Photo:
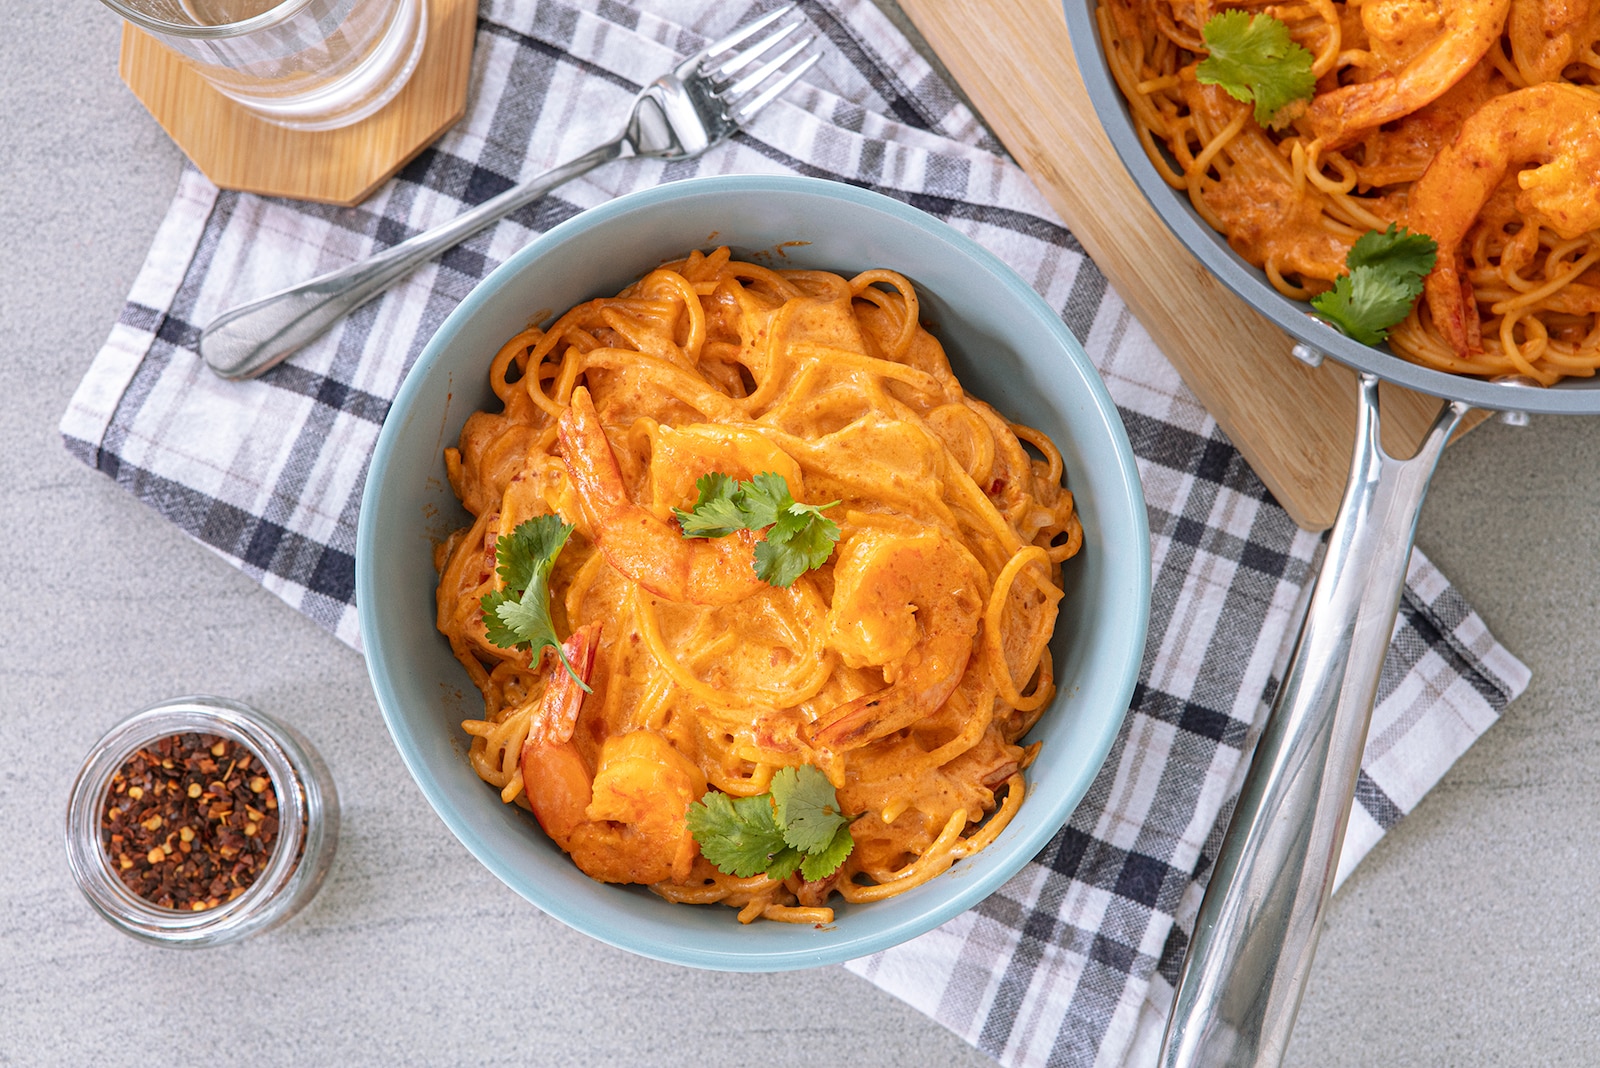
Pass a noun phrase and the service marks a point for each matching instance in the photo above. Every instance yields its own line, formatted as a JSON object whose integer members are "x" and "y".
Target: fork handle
{"x": 247, "y": 340}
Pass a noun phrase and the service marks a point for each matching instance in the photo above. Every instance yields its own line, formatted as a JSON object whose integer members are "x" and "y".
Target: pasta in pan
{"x": 906, "y": 666}
{"x": 1474, "y": 122}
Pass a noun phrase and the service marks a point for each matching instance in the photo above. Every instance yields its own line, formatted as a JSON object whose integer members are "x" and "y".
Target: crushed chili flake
{"x": 178, "y": 835}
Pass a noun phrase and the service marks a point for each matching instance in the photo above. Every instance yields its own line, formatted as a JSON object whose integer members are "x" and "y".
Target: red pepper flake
{"x": 178, "y": 835}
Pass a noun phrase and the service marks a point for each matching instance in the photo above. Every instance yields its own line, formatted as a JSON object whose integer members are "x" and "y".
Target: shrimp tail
{"x": 878, "y": 715}
{"x": 555, "y": 779}
{"x": 1454, "y": 306}
{"x": 864, "y": 720}
{"x": 1471, "y": 324}
{"x": 563, "y": 696}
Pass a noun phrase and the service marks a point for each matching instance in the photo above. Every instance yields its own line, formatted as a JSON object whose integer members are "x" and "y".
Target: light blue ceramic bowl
{"x": 1008, "y": 348}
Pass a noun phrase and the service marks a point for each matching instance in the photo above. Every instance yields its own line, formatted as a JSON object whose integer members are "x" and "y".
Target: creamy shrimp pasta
{"x": 900, "y": 664}
{"x": 1473, "y": 122}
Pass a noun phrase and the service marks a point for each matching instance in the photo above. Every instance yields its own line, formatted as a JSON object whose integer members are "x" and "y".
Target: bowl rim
{"x": 1125, "y": 669}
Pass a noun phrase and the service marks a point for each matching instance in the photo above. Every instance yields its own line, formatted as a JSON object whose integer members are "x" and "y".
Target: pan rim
{"x": 1572, "y": 396}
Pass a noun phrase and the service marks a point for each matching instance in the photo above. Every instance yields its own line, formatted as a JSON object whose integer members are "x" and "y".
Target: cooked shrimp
{"x": 1398, "y": 152}
{"x": 1546, "y": 35}
{"x": 624, "y": 823}
{"x": 1424, "y": 46}
{"x": 910, "y": 604}
{"x": 645, "y": 548}
{"x": 1556, "y": 125}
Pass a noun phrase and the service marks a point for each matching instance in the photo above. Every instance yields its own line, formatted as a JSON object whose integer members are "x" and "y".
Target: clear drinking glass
{"x": 304, "y": 64}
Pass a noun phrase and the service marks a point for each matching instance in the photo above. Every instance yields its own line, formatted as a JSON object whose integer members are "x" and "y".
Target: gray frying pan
{"x": 1254, "y": 938}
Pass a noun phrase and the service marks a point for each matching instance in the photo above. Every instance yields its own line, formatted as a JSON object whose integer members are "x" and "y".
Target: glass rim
{"x": 273, "y": 16}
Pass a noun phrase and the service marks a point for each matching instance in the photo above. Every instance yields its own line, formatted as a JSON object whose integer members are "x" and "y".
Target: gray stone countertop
{"x": 1466, "y": 938}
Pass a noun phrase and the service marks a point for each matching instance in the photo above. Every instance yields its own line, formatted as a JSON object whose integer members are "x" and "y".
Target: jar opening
{"x": 190, "y": 821}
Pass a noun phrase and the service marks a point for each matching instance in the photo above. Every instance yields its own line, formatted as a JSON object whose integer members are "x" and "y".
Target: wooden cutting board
{"x": 1294, "y": 424}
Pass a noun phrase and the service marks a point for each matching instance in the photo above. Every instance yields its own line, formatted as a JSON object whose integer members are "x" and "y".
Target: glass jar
{"x": 308, "y": 828}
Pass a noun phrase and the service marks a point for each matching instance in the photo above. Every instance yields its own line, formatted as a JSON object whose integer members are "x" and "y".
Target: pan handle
{"x": 1256, "y": 932}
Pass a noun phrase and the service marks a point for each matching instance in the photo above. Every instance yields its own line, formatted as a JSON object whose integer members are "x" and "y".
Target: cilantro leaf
{"x": 1386, "y": 272}
{"x": 765, "y": 497}
{"x": 825, "y": 862}
{"x": 716, "y": 513}
{"x": 1254, "y": 58}
{"x": 1346, "y": 306}
{"x": 1397, "y": 249}
{"x": 517, "y": 616}
{"x": 499, "y": 631}
{"x": 785, "y": 863}
{"x": 738, "y": 835}
{"x": 777, "y": 567}
{"x": 794, "y": 826}
{"x": 807, "y": 808}
{"x": 801, "y": 539}
{"x": 798, "y": 539}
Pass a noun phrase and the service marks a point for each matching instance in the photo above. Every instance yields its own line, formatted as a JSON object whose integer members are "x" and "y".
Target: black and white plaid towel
{"x": 1071, "y": 962}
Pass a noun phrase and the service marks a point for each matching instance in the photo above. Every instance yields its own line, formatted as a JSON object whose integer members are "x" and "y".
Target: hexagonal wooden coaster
{"x": 238, "y": 150}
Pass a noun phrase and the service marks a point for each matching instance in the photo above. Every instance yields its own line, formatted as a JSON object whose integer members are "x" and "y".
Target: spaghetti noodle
{"x": 906, "y": 668}
{"x": 1476, "y": 122}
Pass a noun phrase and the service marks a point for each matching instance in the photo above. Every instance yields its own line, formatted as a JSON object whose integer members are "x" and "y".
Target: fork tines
{"x": 740, "y": 97}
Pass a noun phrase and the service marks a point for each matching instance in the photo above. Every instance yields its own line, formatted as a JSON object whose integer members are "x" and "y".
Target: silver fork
{"x": 698, "y": 104}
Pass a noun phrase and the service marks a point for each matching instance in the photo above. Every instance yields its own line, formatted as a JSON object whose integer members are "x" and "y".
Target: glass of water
{"x": 304, "y": 64}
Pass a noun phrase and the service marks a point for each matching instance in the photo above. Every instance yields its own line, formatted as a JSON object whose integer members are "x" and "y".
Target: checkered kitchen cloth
{"x": 1072, "y": 961}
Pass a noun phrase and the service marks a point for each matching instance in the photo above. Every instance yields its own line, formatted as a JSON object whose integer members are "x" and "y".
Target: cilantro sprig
{"x": 1386, "y": 272}
{"x": 1254, "y": 58}
{"x": 794, "y": 826}
{"x": 800, "y": 536}
{"x": 517, "y": 616}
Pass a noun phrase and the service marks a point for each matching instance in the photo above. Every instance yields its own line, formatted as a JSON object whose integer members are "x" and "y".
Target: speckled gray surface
{"x": 1465, "y": 938}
